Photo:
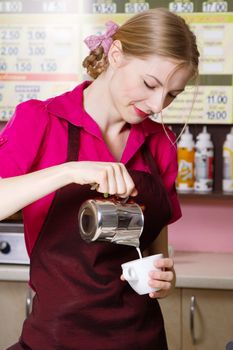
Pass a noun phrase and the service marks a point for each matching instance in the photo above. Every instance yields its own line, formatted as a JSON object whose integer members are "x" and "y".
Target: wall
{"x": 206, "y": 225}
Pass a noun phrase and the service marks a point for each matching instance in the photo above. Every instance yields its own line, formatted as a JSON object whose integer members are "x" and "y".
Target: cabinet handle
{"x": 192, "y": 312}
{"x": 28, "y": 305}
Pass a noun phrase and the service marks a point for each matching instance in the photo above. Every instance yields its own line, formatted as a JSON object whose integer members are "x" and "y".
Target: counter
{"x": 193, "y": 270}
{"x": 204, "y": 270}
{"x": 10, "y": 272}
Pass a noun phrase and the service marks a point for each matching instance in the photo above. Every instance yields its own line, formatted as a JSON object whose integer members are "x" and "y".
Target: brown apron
{"x": 80, "y": 301}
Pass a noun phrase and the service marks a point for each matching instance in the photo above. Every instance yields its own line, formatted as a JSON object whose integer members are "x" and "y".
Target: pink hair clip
{"x": 105, "y": 40}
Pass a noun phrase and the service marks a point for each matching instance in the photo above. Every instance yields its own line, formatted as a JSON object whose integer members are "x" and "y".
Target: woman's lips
{"x": 140, "y": 113}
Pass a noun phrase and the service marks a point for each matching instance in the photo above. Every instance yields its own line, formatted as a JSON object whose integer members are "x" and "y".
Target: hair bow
{"x": 105, "y": 40}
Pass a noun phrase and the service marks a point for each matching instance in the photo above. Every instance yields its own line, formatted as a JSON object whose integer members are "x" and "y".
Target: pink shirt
{"x": 36, "y": 137}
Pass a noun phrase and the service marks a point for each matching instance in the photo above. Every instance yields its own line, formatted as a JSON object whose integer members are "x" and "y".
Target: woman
{"x": 53, "y": 152}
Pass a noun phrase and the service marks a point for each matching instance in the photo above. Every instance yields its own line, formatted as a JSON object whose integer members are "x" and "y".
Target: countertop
{"x": 193, "y": 270}
{"x": 204, "y": 270}
{"x": 12, "y": 272}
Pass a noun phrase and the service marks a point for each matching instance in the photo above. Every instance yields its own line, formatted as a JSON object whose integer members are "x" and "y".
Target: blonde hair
{"x": 156, "y": 31}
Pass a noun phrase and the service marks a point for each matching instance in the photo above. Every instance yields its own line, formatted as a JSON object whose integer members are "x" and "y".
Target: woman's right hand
{"x": 19, "y": 191}
{"x": 107, "y": 177}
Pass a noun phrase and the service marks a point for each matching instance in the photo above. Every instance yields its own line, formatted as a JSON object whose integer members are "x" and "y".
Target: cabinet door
{"x": 12, "y": 306}
{"x": 212, "y": 319}
{"x": 171, "y": 309}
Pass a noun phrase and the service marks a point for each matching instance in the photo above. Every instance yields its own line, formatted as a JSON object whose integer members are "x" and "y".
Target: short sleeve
{"x": 165, "y": 152}
{"x": 22, "y": 137}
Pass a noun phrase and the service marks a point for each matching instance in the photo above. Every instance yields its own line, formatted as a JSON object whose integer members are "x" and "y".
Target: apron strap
{"x": 73, "y": 142}
{"x": 150, "y": 160}
{"x": 155, "y": 172}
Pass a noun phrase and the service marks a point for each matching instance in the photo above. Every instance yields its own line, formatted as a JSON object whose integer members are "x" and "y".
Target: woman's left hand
{"x": 164, "y": 279}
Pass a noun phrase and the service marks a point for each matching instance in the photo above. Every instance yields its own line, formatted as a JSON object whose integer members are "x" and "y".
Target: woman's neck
{"x": 99, "y": 105}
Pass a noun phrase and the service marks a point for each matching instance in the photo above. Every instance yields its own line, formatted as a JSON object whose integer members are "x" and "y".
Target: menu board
{"x": 41, "y": 51}
{"x": 211, "y": 101}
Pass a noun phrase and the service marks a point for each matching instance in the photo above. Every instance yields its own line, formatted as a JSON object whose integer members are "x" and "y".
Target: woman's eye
{"x": 172, "y": 96}
{"x": 148, "y": 86}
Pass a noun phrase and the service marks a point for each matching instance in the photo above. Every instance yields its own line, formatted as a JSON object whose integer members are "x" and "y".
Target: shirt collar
{"x": 69, "y": 106}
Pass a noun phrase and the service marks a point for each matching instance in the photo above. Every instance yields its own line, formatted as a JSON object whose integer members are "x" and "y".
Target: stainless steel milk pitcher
{"x": 111, "y": 220}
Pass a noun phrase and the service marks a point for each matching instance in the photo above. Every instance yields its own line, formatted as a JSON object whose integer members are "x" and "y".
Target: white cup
{"x": 136, "y": 273}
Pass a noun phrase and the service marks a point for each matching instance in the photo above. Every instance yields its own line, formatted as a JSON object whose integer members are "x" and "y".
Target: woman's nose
{"x": 155, "y": 102}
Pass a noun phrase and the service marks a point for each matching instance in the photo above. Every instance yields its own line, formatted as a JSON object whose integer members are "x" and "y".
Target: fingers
{"x": 158, "y": 295}
{"x": 107, "y": 180}
{"x": 163, "y": 279}
{"x": 160, "y": 284}
{"x": 113, "y": 178}
{"x": 122, "y": 278}
{"x": 164, "y": 276}
{"x": 104, "y": 177}
{"x": 165, "y": 263}
{"x": 119, "y": 179}
{"x": 126, "y": 187}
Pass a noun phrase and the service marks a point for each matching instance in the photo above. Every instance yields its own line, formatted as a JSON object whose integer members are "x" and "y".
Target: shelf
{"x": 211, "y": 195}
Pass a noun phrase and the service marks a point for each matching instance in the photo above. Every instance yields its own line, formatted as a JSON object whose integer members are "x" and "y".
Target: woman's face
{"x": 140, "y": 88}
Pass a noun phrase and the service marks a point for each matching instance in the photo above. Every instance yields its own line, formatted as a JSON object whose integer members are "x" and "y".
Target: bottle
{"x": 227, "y": 183}
{"x": 204, "y": 162}
{"x": 185, "y": 150}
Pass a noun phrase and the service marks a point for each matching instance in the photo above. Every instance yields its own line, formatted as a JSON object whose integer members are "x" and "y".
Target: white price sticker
{"x": 105, "y": 8}
{"x": 9, "y": 34}
{"x": 36, "y": 34}
{"x": 9, "y": 50}
{"x": 215, "y": 6}
{"x": 180, "y": 6}
{"x": 23, "y": 66}
{"x": 217, "y": 116}
{"x": 54, "y": 6}
{"x": 217, "y": 99}
{"x": 48, "y": 66}
{"x": 36, "y": 51}
{"x": 11, "y": 6}
{"x": 136, "y": 7}
{"x": 217, "y": 107}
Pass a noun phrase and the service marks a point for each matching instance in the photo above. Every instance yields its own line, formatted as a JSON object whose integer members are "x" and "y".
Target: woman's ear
{"x": 115, "y": 54}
